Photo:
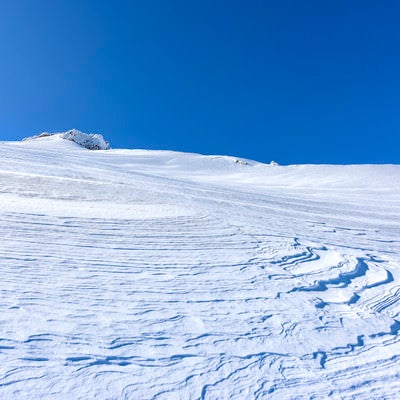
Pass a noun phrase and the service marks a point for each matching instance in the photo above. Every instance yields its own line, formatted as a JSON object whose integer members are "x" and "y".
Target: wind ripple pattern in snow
{"x": 252, "y": 294}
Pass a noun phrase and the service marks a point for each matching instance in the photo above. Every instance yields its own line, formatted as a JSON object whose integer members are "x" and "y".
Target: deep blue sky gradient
{"x": 291, "y": 81}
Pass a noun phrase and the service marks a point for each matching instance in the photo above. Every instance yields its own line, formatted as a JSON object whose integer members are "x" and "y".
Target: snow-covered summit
{"x": 90, "y": 141}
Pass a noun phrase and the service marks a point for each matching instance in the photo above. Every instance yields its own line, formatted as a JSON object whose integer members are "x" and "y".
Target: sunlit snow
{"x": 134, "y": 274}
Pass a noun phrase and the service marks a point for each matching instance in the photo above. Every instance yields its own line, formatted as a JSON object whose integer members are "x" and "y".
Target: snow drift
{"x": 134, "y": 274}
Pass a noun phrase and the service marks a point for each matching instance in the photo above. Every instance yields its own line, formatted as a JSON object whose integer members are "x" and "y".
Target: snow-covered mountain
{"x": 134, "y": 274}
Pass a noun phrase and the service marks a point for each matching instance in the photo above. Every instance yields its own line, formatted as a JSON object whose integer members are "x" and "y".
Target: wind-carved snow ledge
{"x": 90, "y": 141}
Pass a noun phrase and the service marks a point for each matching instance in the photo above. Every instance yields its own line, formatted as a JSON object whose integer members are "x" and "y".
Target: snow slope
{"x": 134, "y": 274}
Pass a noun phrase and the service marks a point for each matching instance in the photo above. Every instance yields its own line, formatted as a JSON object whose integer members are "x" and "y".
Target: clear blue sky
{"x": 291, "y": 81}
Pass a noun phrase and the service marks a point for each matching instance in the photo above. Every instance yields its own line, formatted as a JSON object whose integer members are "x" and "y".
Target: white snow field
{"x": 134, "y": 274}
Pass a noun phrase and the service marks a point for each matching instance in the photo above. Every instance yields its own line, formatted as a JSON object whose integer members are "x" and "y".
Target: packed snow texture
{"x": 133, "y": 274}
{"x": 90, "y": 141}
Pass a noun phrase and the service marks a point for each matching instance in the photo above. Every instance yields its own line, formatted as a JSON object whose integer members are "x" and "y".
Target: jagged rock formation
{"x": 89, "y": 141}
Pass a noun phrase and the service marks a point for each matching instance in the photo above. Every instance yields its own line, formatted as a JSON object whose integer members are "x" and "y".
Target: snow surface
{"x": 134, "y": 274}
